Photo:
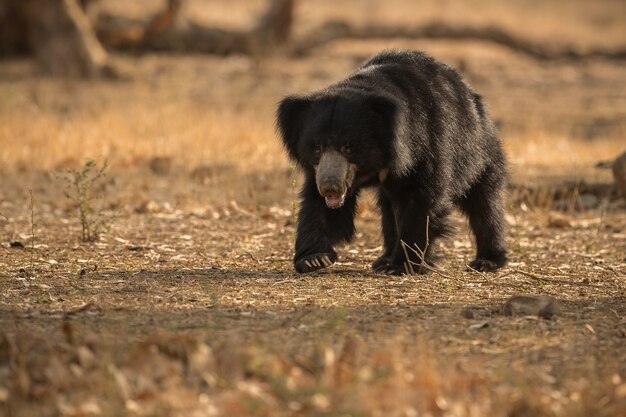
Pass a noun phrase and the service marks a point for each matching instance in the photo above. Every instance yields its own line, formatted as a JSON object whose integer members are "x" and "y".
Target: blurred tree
{"x": 64, "y": 42}
{"x": 59, "y": 35}
{"x": 275, "y": 25}
{"x": 169, "y": 31}
{"x": 12, "y": 29}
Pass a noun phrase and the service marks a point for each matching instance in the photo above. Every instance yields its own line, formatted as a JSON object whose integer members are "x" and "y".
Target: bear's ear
{"x": 290, "y": 117}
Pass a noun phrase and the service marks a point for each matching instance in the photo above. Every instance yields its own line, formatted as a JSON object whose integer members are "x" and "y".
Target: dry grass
{"x": 223, "y": 136}
{"x": 189, "y": 305}
{"x": 544, "y": 150}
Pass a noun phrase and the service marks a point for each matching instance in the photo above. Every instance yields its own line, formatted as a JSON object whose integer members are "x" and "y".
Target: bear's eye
{"x": 317, "y": 153}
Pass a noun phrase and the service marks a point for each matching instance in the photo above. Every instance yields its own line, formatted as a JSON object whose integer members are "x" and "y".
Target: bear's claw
{"x": 314, "y": 262}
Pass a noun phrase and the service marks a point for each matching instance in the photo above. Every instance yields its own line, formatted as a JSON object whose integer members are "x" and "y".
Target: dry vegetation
{"x": 188, "y": 305}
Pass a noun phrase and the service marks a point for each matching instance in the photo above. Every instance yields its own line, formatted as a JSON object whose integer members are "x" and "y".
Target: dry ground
{"x": 188, "y": 305}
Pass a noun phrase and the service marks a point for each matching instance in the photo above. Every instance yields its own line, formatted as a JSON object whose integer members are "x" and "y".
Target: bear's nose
{"x": 331, "y": 173}
{"x": 330, "y": 185}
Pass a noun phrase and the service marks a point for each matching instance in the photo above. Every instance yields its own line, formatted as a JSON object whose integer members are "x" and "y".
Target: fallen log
{"x": 334, "y": 31}
{"x": 62, "y": 39}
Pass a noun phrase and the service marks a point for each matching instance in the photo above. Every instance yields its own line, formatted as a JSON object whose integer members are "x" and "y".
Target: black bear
{"x": 411, "y": 127}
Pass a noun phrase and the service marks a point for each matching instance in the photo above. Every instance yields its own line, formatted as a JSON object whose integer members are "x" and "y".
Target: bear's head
{"x": 343, "y": 138}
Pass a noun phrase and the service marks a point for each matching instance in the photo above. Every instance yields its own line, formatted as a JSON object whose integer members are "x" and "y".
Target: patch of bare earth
{"x": 177, "y": 312}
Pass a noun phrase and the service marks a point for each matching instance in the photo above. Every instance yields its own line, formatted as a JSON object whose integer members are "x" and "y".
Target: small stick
{"x": 407, "y": 265}
{"x": 553, "y": 281}
{"x": 424, "y": 264}
{"x": 421, "y": 254}
{"x": 534, "y": 276}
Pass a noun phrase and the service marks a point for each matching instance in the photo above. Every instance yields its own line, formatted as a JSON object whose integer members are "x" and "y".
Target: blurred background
{"x": 144, "y": 191}
{"x": 184, "y": 91}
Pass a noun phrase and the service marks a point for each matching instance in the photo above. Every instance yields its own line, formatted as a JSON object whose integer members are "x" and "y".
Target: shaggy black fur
{"x": 411, "y": 127}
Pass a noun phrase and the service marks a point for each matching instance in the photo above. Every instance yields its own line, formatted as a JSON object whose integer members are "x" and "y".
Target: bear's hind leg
{"x": 413, "y": 221}
{"x": 390, "y": 233}
{"x": 484, "y": 207}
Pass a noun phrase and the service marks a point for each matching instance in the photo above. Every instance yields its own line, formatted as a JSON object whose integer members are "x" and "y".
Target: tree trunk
{"x": 168, "y": 31}
{"x": 62, "y": 39}
{"x": 12, "y": 30}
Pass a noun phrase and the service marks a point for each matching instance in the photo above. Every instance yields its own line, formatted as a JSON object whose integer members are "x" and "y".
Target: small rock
{"x": 161, "y": 165}
{"x": 202, "y": 174}
{"x": 206, "y": 172}
{"x": 558, "y": 220}
{"x": 470, "y": 312}
{"x": 619, "y": 174}
{"x": 467, "y": 313}
{"x": 543, "y": 306}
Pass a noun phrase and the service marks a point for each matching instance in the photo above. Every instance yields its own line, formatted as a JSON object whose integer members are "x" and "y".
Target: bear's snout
{"x": 330, "y": 186}
{"x": 334, "y": 176}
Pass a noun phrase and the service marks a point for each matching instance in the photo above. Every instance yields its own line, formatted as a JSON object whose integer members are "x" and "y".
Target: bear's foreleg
{"x": 320, "y": 228}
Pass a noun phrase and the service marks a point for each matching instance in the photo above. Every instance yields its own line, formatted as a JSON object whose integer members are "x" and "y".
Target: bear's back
{"x": 398, "y": 56}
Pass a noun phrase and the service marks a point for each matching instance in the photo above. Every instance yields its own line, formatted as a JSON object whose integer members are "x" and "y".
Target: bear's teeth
{"x": 334, "y": 201}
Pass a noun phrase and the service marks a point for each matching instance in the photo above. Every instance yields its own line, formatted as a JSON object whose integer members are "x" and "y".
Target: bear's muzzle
{"x": 334, "y": 176}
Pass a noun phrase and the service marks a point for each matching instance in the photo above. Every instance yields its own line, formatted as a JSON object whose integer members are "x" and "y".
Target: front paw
{"x": 315, "y": 261}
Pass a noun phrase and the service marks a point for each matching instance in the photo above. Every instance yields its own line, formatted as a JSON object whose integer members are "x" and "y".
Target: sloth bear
{"x": 410, "y": 127}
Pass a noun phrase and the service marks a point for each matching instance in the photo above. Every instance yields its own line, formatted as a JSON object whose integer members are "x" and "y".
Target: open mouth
{"x": 335, "y": 200}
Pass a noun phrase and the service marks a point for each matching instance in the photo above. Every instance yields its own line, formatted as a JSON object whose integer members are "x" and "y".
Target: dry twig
{"x": 533, "y": 276}
{"x": 421, "y": 254}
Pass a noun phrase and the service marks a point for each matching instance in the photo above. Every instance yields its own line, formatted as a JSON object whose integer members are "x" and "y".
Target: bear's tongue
{"x": 334, "y": 200}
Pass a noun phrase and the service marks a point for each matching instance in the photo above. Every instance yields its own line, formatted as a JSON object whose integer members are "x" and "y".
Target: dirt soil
{"x": 188, "y": 304}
